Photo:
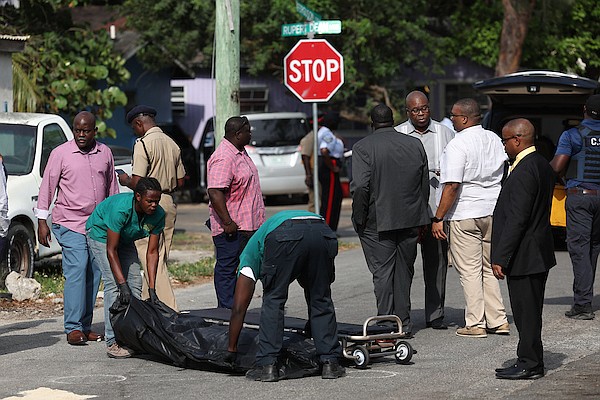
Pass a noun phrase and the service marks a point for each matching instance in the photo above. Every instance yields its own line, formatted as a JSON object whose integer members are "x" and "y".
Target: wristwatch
{"x": 436, "y": 219}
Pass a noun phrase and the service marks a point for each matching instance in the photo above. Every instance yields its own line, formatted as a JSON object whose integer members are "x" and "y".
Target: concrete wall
{"x": 6, "y": 84}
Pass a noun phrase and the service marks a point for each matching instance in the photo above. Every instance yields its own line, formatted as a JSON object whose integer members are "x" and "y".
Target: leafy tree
{"x": 562, "y": 34}
{"x": 379, "y": 43}
{"x": 63, "y": 69}
{"x": 171, "y": 30}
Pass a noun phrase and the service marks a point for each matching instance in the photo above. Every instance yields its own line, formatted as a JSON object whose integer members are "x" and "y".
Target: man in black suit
{"x": 390, "y": 193}
{"x": 522, "y": 244}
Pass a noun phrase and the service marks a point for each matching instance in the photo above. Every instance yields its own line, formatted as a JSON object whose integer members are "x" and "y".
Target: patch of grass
{"x": 189, "y": 272}
{"x": 51, "y": 281}
{"x": 347, "y": 245}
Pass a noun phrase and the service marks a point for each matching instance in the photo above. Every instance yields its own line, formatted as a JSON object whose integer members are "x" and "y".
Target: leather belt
{"x": 589, "y": 192}
{"x": 168, "y": 191}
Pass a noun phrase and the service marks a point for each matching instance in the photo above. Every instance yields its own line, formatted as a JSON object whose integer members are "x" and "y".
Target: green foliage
{"x": 171, "y": 29}
{"x": 564, "y": 36}
{"x": 64, "y": 69}
{"x": 52, "y": 281}
{"x": 560, "y": 33}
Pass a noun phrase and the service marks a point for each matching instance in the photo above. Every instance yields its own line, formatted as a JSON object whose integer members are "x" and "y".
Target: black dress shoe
{"x": 76, "y": 338}
{"x": 518, "y": 372}
{"x": 332, "y": 370}
{"x": 504, "y": 369}
{"x": 437, "y": 324}
{"x": 264, "y": 373}
{"x": 270, "y": 373}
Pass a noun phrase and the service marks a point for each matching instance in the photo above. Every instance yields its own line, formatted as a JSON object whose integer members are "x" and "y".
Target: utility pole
{"x": 227, "y": 63}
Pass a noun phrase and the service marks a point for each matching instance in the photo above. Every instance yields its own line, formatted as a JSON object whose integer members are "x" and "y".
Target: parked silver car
{"x": 275, "y": 150}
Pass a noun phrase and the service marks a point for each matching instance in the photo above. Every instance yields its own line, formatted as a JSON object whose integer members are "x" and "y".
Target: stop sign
{"x": 313, "y": 70}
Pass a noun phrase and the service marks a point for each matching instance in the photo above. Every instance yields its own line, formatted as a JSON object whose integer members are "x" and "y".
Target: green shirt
{"x": 254, "y": 250}
{"x": 117, "y": 214}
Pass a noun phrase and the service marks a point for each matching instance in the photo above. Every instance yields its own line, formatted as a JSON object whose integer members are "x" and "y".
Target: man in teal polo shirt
{"x": 112, "y": 229}
{"x": 288, "y": 246}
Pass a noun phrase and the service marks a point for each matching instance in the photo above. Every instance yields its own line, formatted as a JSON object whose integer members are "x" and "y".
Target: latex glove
{"x": 230, "y": 358}
{"x": 124, "y": 293}
{"x": 153, "y": 296}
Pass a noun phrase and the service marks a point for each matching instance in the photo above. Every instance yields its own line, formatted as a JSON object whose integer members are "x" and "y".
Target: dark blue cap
{"x": 140, "y": 110}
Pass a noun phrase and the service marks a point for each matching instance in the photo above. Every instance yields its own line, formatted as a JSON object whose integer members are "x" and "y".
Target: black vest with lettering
{"x": 588, "y": 160}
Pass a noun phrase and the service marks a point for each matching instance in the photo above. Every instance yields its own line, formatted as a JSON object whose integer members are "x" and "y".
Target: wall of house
{"x": 6, "y": 85}
{"x": 200, "y": 100}
{"x": 151, "y": 88}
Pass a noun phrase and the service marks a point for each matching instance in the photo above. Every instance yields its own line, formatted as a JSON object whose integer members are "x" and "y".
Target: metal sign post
{"x": 313, "y": 71}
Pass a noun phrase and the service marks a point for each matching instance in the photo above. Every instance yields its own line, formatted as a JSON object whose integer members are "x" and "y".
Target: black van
{"x": 552, "y": 101}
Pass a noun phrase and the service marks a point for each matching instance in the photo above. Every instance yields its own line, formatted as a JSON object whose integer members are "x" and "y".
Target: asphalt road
{"x": 37, "y": 363}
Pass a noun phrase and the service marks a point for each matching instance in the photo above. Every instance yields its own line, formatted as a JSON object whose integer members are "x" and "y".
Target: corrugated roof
{"x": 15, "y": 38}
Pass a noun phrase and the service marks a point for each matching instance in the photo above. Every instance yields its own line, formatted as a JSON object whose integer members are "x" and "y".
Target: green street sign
{"x": 307, "y": 13}
{"x": 321, "y": 28}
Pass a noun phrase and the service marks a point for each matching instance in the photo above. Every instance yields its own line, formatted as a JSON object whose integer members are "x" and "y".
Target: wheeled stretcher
{"x": 378, "y": 336}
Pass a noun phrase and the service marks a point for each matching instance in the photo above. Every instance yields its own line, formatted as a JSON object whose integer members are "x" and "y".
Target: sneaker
{"x": 503, "y": 329}
{"x": 116, "y": 351}
{"x": 471, "y": 331}
{"x": 332, "y": 370}
{"x": 580, "y": 312}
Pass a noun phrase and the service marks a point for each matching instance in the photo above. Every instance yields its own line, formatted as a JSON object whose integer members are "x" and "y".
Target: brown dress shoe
{"x": 94, "y": 337}
{"x": 76, "y": 338}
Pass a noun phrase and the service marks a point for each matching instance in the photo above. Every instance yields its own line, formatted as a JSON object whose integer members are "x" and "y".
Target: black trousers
{"x": 303, "y": 250}
{"x": 331, "y": 194}
{"x": 527, "y": 301}
{"x": 435, "y": 267}
{"x": 391, "y": 258}
{"x": 583, "y": 243}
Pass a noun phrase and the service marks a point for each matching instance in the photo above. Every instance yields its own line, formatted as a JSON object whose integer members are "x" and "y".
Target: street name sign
{"x": 304, "y": 28}
{"x": 307, "y": 13}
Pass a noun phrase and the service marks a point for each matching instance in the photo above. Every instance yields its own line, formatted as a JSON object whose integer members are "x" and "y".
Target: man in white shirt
{"x": 472, "y": 166}
{"x": 434, "y": 253}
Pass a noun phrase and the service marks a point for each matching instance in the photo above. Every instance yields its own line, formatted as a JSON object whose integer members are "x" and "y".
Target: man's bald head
{"x": 517, "y": 135}
{"x": 522, "y": 128}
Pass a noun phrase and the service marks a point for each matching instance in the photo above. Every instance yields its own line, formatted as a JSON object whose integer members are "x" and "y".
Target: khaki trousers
{"x": 470, "y": 248}
{"x": 164, "y": 291}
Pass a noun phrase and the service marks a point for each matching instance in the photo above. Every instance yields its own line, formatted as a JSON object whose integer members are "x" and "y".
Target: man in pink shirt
{"x": 236, "y": 205}
{"x": 83, "y": 171}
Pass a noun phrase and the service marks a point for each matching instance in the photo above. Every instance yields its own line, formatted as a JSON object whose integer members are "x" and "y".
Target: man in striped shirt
{"x": 236, "y": 205}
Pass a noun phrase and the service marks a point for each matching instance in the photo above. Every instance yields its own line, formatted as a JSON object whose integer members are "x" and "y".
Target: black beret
{"x": 138, "y": 110}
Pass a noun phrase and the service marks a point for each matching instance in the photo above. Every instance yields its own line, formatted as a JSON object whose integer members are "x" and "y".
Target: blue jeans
{"x": 81, "y": 279}
{"x": 130, "y": 265}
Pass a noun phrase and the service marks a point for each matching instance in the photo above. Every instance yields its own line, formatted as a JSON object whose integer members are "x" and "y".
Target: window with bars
{"x": 254, "y": 99}
{"x": 178, "y": 100}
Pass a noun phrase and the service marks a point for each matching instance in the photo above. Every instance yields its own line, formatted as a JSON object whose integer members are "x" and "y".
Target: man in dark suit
{"x": 390, "y": 193}
{"x": 522, "y": 244}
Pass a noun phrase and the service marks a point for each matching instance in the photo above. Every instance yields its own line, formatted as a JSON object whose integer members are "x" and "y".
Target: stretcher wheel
{"x": 404, "y": 352}
{"x": 361, "y": 357}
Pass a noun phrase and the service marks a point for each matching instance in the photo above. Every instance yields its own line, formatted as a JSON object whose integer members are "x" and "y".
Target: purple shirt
{"x": 83, "y": 181}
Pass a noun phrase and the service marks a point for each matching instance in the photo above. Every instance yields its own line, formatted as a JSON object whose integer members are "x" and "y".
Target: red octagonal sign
{"x": 313, "y": 70}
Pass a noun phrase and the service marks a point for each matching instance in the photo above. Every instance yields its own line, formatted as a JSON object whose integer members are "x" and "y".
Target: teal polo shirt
{"x": 255, "y": 248}
{"x": 117, "y": 214}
